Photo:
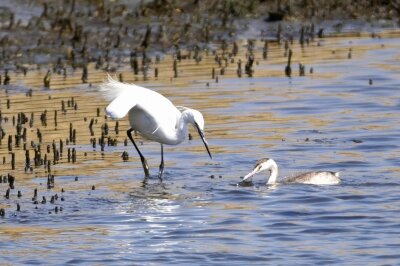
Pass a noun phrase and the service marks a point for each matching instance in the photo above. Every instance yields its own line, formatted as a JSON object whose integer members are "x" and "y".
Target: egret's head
{"x": 261, "y": 165}
{"x": 195, "y": 118}
{"x": 198, "y": 120}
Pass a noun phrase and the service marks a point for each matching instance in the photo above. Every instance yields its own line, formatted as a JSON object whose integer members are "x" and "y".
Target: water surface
{"x": 333, "y": 119}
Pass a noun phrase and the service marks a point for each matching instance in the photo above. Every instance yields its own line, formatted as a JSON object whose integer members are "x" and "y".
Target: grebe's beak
{"x": 256, "y": 170}
{"x": 248, "y": 177}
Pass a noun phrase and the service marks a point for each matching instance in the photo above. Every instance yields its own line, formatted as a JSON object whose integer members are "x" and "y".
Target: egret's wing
{"x": 126, "y": 96}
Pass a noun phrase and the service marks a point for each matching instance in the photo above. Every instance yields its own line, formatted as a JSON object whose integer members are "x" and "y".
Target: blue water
{"x": 199, "y": 215}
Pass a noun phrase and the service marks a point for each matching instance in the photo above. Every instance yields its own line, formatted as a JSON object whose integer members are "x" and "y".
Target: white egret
{"x": 152, "y": 115}
{"x": 315, "y": 178}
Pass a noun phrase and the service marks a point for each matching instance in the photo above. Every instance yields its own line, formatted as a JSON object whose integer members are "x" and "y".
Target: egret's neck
{"x": 274, "y": 173}
{"x": 186, "y": 118}
{"x": 182, "y": 125}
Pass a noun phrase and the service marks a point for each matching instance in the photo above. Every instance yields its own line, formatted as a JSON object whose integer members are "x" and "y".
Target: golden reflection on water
{"x": 10, "y": 233}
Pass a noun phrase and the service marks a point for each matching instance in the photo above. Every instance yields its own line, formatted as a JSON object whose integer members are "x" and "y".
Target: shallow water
{"x": 332, "y": 119}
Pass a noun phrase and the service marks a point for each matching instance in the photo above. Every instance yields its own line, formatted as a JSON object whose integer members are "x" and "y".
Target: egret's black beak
{"x": 203, "y": 138}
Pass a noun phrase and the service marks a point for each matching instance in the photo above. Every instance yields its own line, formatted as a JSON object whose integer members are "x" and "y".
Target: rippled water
{"x": 333, "y": 120}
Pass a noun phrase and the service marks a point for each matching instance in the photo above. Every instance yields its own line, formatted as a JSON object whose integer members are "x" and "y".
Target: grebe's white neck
{"x": 273, "y": 168}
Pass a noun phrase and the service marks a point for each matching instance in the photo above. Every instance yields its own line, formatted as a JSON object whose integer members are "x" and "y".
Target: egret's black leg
{"x": 144, "y": 162}
{"x": 160, "y": 172}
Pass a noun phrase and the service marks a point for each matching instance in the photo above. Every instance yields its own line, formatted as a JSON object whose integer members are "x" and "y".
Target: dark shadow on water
{"x": 245, "y": 184}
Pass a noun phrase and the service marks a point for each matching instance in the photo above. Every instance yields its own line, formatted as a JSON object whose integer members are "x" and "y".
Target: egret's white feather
{"x": 150, "y": 113}
{"x": 125, "y": 96}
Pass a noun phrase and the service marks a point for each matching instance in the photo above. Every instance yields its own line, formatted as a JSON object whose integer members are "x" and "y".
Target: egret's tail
{"x": 111, "y": 88}
{"x": 119, "y": 95}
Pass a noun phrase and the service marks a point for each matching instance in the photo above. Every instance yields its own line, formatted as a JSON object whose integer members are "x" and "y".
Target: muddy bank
{"x": 65, "y": 35}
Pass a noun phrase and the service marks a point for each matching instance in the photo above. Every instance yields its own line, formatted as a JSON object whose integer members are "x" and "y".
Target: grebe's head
{"x": 261, "y": 165}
